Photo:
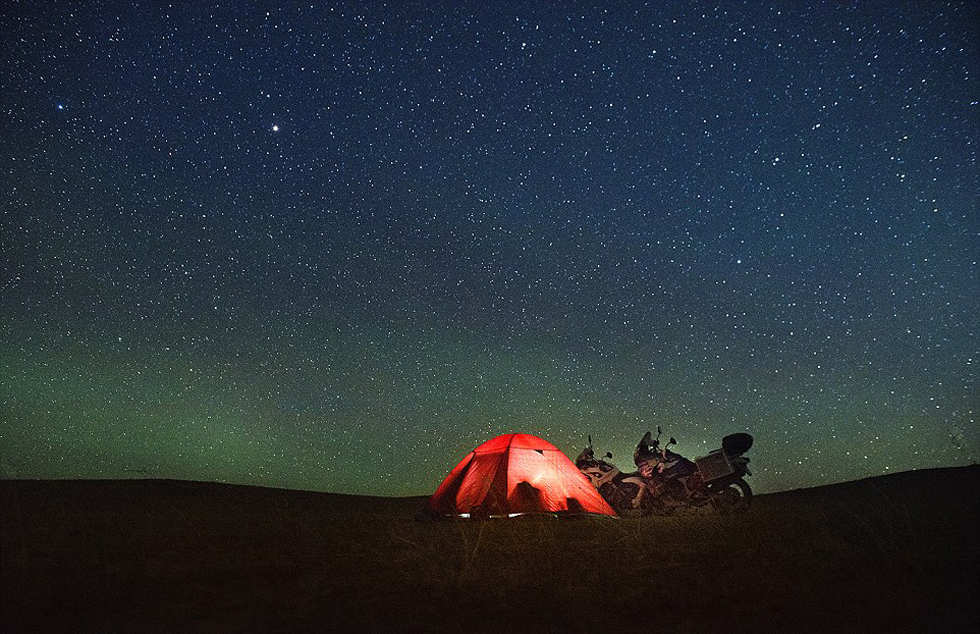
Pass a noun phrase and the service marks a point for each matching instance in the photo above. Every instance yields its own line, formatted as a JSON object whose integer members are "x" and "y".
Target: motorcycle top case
{"x": 736, "y": 444}
{"x": 715, "y": 465}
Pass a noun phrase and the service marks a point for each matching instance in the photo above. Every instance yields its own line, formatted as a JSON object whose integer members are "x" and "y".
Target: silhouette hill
{"x": 896, "y": 553}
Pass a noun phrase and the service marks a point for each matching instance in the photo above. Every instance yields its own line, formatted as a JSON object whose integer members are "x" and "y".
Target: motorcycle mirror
{"x": 659, "y": 431}
{"x": 672, "y": 441}
{"x": 608, "y": 455}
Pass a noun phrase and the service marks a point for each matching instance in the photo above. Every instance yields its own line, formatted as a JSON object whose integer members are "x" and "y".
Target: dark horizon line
{"x": 972, "y": 465}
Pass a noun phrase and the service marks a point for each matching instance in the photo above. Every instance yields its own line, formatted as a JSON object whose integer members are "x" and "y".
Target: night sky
{"x": 335, "y": 247}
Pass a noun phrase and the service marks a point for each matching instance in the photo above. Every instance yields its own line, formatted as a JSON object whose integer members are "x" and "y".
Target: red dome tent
{"x": 515, "y": 474}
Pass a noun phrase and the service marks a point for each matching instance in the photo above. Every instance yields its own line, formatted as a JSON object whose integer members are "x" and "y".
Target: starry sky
{"x": 335, "y": 246}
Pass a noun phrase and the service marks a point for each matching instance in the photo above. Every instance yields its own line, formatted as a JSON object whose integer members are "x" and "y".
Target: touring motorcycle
{"x": 667, "y": 481}
{"x": 627, "y": 493}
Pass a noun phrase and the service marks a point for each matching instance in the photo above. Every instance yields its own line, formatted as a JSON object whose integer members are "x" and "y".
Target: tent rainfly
{"x": 515, "y": 474}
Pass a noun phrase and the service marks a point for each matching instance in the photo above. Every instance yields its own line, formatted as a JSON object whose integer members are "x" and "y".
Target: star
{"x": 571, "y": 242}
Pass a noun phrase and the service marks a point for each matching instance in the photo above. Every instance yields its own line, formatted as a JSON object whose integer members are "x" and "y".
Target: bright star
{"x": 275, "y": 128}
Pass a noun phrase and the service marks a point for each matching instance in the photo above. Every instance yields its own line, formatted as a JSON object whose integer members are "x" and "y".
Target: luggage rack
{"x": 715, "y": 465}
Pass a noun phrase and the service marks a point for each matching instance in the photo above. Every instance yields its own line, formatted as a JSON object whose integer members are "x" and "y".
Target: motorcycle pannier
{"x": 715, "y": 465}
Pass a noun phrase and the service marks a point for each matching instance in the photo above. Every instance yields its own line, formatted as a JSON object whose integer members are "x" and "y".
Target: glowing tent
{"x": 512, "y": 475}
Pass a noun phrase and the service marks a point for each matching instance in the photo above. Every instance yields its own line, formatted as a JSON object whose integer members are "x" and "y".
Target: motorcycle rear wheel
{"x": 734, "y": 499}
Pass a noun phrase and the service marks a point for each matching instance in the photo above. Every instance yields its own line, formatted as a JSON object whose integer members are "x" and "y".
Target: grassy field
{"x": 892, "y": 554}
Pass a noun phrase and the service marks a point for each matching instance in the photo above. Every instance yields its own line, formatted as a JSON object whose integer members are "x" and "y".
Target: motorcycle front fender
{"x": 637, "y": 480}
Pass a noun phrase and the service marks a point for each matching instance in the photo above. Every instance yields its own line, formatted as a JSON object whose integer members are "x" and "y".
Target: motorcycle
{"x": 626, "y": 493}
{"x": 717, "y": 479}
{"x": 666, "y": 481}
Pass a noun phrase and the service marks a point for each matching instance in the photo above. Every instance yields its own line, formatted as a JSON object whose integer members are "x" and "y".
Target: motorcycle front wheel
{"x": 621, "y": 499}
{"x": 732, "y": 499}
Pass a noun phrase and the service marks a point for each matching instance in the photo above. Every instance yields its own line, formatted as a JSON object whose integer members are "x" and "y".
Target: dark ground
{"x": 891, "y": 554}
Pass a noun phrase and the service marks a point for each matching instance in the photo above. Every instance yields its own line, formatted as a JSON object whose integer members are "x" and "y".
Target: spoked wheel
{"x": 733, "y": 499}
{"x": 674, "y": 500}
{"x": 621, "y": 499}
